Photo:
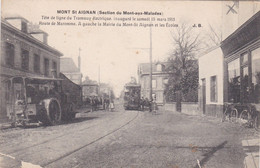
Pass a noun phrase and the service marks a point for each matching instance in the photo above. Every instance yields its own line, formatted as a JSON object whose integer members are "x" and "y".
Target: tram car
{"x": 132, "y": 96}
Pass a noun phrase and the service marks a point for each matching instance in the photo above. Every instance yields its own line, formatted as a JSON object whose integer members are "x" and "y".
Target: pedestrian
{"x": 111, "y": 106}
{"x": 92, "y": 104}
{"x": 142, "y": 103}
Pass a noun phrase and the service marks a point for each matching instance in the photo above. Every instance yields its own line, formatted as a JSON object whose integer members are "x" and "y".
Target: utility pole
{"x": 151, "y": 66}
{"x": 98, "y": 79}
{"x": 99, "y": 74}
{"x": 79, "y": 65}
{"x": 79, "y": 60}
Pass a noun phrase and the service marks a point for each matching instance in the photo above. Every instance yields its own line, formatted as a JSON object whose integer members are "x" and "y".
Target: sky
{"x": 116, "y": 50}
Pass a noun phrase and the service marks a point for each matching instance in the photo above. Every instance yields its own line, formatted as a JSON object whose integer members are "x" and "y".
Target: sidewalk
{"x": 251, "y": 147}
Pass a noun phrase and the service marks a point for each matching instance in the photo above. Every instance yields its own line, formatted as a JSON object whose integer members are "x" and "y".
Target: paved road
{"x": 128, "y": 139}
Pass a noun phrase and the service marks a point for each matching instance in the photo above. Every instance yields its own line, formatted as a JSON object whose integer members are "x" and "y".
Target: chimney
{"x": 18, "y": 22}
{"x": 37, "y": 33}
{"x": 41, "y": 36}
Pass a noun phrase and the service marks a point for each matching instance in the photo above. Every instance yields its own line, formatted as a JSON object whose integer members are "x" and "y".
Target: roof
{"x": 27, "y": 36}
{"x": 132, "y": 85}
{"x": 145, "y": 67}
{"x": 247, "y": 33}
{"x": 14, "y": 16}
{"x": 68, "y": 65}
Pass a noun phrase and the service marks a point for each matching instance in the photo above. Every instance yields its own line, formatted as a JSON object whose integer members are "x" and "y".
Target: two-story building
{"x": 159, "y": 78}
{"x": 25, "y": 52}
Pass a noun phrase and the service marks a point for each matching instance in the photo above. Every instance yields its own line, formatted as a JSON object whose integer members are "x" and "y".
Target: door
{"x": 204, "y": 96}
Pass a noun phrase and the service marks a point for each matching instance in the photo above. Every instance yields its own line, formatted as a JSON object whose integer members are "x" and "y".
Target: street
{"x": 128, "y": 139}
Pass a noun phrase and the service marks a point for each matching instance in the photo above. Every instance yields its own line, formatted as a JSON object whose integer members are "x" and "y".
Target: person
{"x": 111, "y": 106}
{"x": 151, "y": 105}
{"x": 142, "y": 103}
{"x": 107, "y": 103}
{"x": 92, "y": 104}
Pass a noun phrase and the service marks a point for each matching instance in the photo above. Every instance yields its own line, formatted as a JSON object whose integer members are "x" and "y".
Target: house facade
{"x": 211, "y": 82}
{"x": 25, "y": 52}
{"x": 241, "y": 52}
{"x": 230, "y": 73}
{"x": 159, "y": 78}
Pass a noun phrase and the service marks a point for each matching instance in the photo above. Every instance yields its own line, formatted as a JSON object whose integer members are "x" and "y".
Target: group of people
{"x": 96, "y": 102}
{"x": 145, "y": 103}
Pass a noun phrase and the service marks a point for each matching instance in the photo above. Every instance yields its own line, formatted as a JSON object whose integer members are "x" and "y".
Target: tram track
{"x": 90, "y": 143}
{"x": 54, "y": 138}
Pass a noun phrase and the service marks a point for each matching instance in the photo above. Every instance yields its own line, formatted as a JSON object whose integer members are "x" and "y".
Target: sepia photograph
{"x": 129, "y": 84}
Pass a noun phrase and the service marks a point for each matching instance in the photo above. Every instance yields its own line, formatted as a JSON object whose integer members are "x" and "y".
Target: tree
{"x": 212, "y": 37}
{"x": 183, "y": 68}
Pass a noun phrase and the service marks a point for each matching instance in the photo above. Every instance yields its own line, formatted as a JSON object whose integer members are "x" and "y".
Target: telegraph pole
{"x": 151, "y": 66}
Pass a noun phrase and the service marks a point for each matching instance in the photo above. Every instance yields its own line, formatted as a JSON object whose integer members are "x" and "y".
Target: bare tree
{"x": 212, "y": 37}
{"x": 183, "y": 62}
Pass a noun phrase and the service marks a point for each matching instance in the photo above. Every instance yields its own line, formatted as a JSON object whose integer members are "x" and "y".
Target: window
{"x": 256, "y": 75}
{"x": 154, "y": 83}
{"x": 36, "y": 66}
{"x": 213, "y": 89}
{"x": 165, "y": 81}
{"x": 25, "y": 59}
{"x": 159, "y": 67}
{"x": 46, "y": 67}
{"x": 244, "y": 87}
{"x": 9, "y": 53}
{"x": 54, "y": 68}
{"x": 234, "y": 81}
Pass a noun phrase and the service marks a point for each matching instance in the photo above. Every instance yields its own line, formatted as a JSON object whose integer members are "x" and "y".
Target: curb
{"x": 251, "y": 148}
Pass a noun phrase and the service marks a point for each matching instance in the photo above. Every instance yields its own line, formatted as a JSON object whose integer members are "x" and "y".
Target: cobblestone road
{"x": 128, "y": 139}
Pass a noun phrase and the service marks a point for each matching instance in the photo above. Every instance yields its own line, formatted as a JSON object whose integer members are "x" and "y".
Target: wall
{"x": 170, "y": 106}
{"x": 19, "y": 43}
{"x": 190, "y": 108}
{"x": 211, "y": 64}
{"x": 158, "y": 90}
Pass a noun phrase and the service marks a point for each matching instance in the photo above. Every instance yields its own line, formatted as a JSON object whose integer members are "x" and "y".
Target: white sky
{"x": 113, "y": 48}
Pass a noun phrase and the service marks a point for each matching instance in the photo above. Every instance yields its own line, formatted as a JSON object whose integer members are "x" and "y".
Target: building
{"x": 89, "y": 88}
{"x": 241, "y": 52}
{"x": 25, "y": 52}
{"x": 159, "y": 78}
{"x": 231, "y": 72}
{"x": 106, "y": 91}
{"x": 211, "y": 82}
{"x": 70, "y": 70}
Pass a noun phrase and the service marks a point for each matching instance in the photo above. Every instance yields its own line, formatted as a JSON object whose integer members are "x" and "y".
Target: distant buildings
{"x": 25, "y": 52}
{"x": 70, "y": 70}
{"x": 159, "y": 78}
{"x": 89, "y": 88}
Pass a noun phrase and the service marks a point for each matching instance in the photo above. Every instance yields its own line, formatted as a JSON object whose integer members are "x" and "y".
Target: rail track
{"x": 70, "y": 133}
{"x": 92, "y": 142}
{"x": 53, "y": 138}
